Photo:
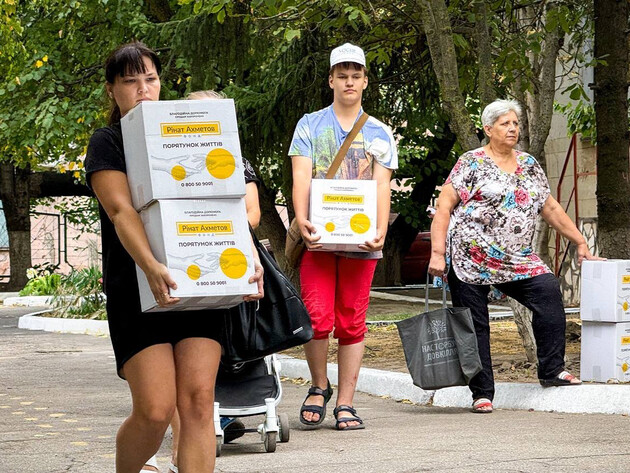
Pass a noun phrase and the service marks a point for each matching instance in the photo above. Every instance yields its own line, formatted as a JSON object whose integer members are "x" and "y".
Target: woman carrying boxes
{"x": 233, "y": 428}
{"x": 167, "y": 358}
{"x": 347, "y": 215}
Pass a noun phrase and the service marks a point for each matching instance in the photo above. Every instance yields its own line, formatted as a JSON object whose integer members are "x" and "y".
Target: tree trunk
{"x": 401, "y": 234}
{"x": 540, "y": 103}
{"x": 437, "y": 27}
{"x": 523, "y": 138}
{"x": 15, "y": 196}
{"x": 523, "y": 321}
{"x": 536, "y": 123}
{"x": 17, "y": 187}
{"x": 611, "y": 119}
{"x": 54, "y": 184}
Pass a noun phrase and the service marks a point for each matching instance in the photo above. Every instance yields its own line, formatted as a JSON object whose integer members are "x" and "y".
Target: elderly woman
{"x": 492, "y": 199}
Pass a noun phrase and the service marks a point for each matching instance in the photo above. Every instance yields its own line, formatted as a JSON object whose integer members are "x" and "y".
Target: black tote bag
{"x": 440, "y": 346}
{"x": 278, "y": 321}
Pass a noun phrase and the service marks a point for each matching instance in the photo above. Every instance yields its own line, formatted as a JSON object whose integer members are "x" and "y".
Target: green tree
{"x": 50, "y": 101}
{"x": 611, "y": 116}
{"x": 280, "y": 71}
{"x": 272, "y": 56}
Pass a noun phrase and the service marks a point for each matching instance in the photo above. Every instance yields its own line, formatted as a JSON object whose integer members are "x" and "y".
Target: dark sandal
{"x": 315, "y": 409}
{"x": 345, "y": 420}
{"x": 562, "y": 379}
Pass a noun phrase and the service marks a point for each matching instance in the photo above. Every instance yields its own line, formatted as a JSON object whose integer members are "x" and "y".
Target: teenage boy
{"x": 336, "y": 286}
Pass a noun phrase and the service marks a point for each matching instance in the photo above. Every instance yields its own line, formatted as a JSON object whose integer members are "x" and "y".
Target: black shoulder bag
{"x": 278, "y": 321}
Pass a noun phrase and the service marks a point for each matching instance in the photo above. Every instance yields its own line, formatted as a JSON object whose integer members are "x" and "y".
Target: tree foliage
{"x": 272, "y": 57}
{"x": 52, "y": 97}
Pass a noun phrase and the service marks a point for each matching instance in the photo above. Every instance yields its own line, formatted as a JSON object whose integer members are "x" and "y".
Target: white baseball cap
{"x": 347, "y": 53}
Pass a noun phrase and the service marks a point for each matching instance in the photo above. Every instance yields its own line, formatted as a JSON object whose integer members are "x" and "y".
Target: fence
{"x": 54, "y": 240}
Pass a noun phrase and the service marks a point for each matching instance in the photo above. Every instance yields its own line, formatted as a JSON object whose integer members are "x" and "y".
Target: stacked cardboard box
{"x": 185, "y": 173}
{"x": 605, "y": 313}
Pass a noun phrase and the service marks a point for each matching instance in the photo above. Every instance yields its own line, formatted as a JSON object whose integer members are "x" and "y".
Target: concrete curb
{"x": 396, "y": 297}
{"x": 57, "y": 324}
{"x": 398, "y": 386}
{"x": 4, "y": 295}
{"x": 586, "y": 399}
{"x": 27, "y": 301}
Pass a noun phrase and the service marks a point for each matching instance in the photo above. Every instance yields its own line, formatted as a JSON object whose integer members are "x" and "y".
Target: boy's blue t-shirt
{"x": 319, "y": 136}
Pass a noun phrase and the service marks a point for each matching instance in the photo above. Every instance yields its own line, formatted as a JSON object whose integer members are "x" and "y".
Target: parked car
{"x": 416, "y": 261}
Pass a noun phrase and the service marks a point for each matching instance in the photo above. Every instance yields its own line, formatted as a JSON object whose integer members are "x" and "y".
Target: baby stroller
{"x": 249, "y": 389}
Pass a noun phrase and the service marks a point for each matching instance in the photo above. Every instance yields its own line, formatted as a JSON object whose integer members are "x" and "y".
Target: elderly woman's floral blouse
{"x": 492, "y": 228}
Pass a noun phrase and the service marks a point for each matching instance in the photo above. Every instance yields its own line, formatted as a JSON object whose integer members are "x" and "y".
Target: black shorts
{"x": 131, "y": 330}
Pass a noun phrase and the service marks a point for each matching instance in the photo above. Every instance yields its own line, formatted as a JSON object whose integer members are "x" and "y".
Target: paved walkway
{"x": 61, "y": 404}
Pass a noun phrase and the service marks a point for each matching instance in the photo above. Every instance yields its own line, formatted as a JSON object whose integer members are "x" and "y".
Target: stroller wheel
{"x": 218, "y": 446}
{"x": 283, "y": 423}
{"x": 270, "y": 442}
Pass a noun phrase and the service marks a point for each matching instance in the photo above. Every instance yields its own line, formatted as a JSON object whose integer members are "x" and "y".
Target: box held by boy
{"x": 343, "y": 213}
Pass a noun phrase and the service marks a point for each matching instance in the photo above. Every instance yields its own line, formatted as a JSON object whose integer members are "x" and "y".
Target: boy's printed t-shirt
{"x": 319, "y": 136}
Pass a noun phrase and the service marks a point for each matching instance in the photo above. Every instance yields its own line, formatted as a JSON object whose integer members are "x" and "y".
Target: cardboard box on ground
{"x": 182, "y": 149}
{"x": 343, "y": 213}
{"x": 605, "y": 313}
{"x": 185, "y": 173}
{"x": 605, "y": 351}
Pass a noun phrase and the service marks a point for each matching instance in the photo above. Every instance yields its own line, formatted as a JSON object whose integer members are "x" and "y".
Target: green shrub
{"x": 42, "y": 286}
{"x": 42, "y": 280}
{"x": 80, "y": 295}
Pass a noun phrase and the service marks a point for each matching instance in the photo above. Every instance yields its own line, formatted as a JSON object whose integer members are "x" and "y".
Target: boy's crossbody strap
{"x": 332, "y": 170}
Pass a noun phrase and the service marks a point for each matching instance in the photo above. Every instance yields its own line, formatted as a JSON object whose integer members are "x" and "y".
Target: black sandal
{"x": 562, "y": 379}
{"x": 315, "y": 409}
{"x": 345, "y": 420}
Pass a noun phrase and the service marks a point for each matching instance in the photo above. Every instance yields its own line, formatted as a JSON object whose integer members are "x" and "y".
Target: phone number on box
{"x": 211, "y": 283}
{"x": 196, "y": 184}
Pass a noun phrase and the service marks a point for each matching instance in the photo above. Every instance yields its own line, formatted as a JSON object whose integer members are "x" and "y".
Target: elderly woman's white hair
{"x": 498, "y": 108}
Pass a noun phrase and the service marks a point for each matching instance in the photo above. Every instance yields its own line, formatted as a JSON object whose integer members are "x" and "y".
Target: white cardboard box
{"x": 605, "y": 353}
{"x": 343, "y": 212}
{"x": 182, "y": 149}
{"x": 605, "y": 291}
{"x": 205, "y": 245}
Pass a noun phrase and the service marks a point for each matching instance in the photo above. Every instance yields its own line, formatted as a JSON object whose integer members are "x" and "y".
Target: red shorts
{"x": 336, "y": 292}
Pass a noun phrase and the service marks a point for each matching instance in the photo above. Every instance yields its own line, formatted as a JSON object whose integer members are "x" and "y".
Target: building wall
{"x": 556, "y": 149}
{"x": 54, "y": 240}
